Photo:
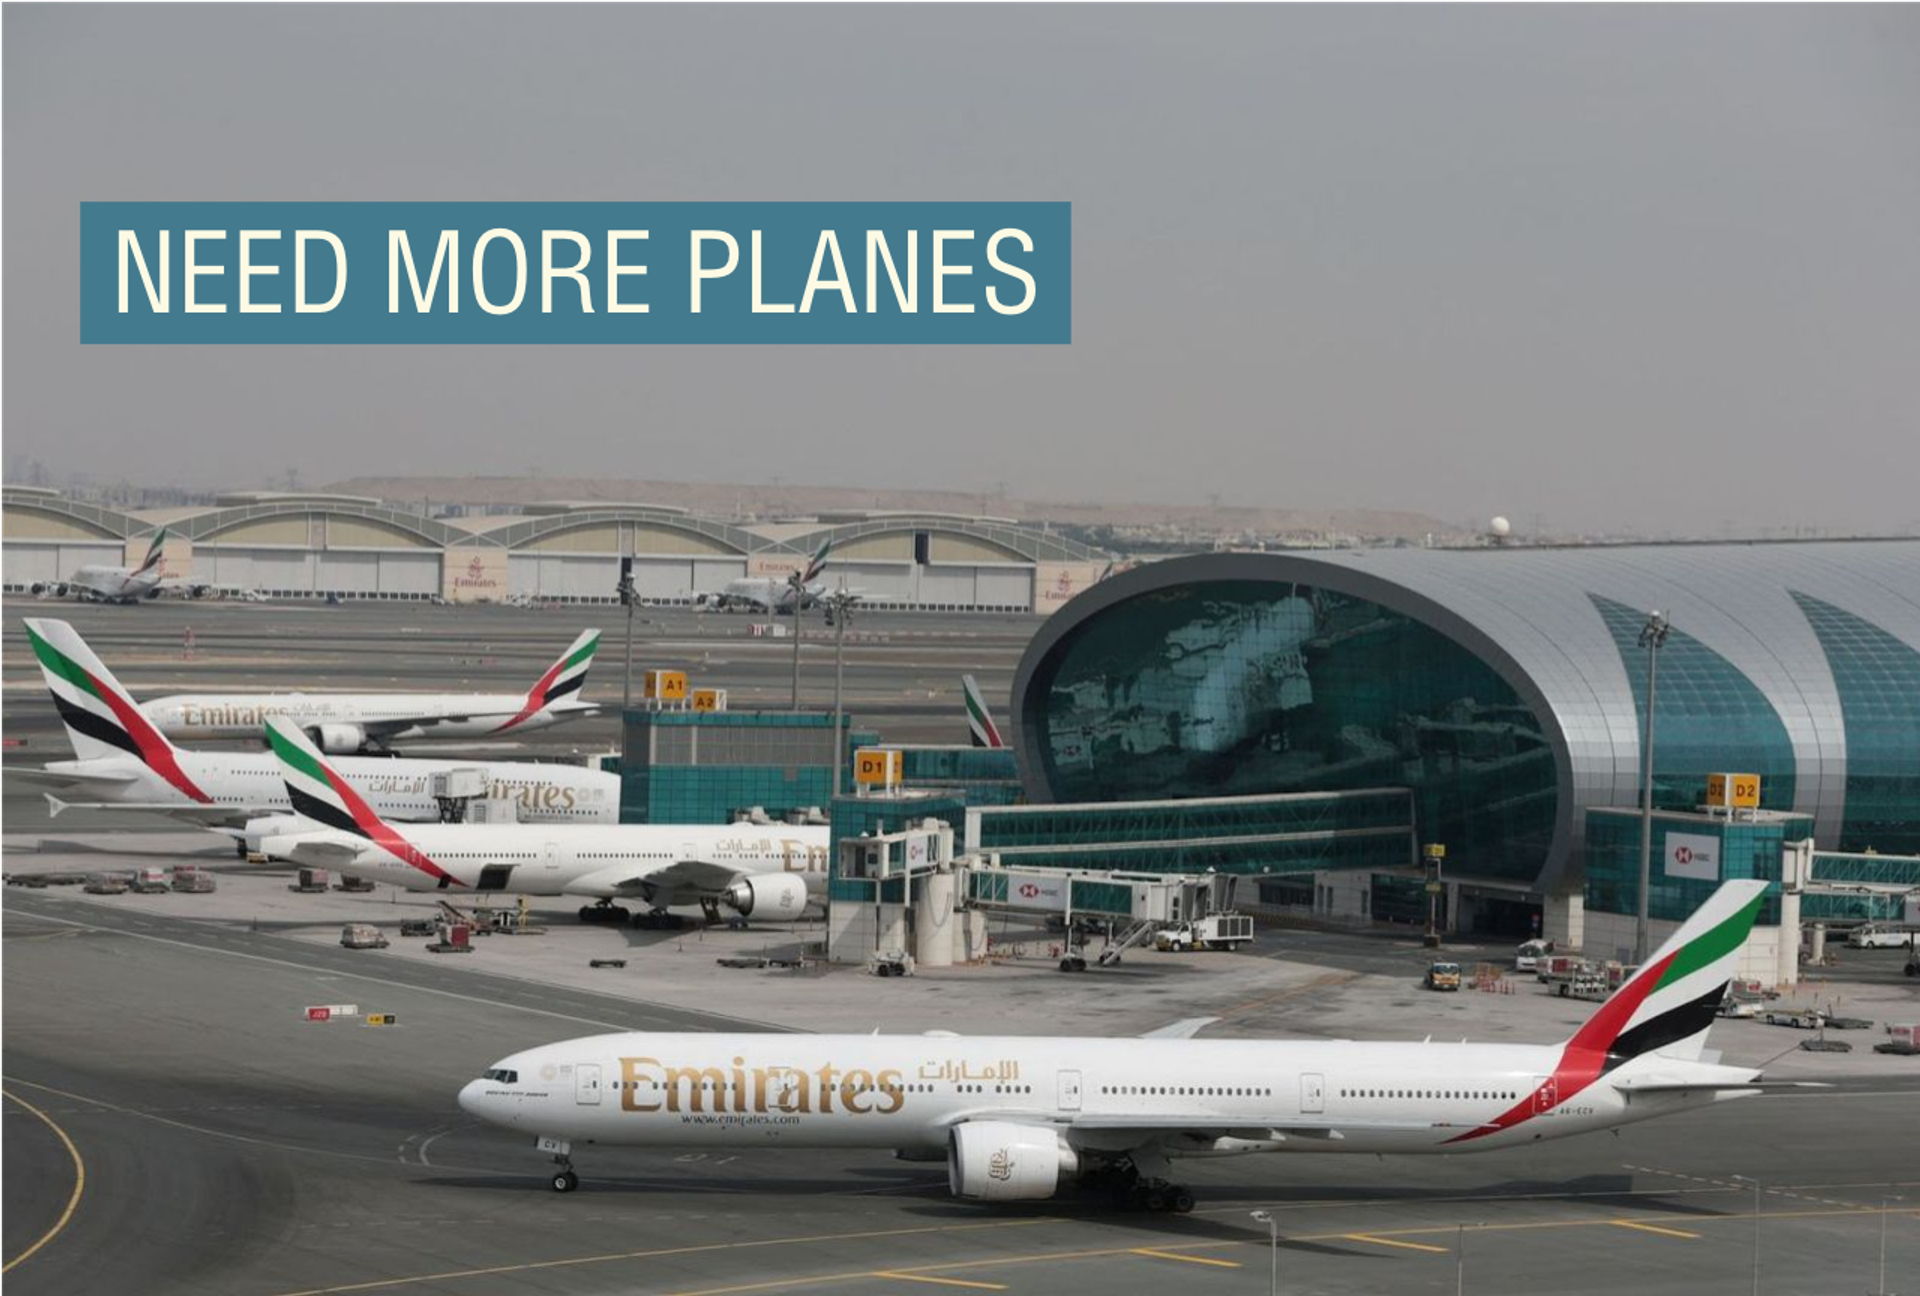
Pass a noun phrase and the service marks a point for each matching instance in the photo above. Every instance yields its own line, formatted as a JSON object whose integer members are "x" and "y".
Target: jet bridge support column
{"x": 936, "y": 919}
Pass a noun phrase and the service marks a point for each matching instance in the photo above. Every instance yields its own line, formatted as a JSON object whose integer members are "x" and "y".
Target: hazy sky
{"x": 1643, "y": 267}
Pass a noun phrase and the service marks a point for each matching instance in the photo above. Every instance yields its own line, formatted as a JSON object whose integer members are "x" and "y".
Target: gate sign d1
{"x": 876, "y": 767}
{"x": 1734, "y": 791}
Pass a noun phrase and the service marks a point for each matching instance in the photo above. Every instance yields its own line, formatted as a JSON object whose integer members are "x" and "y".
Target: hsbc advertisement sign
{"x": 1037, "y": 892}
{"x": 1690, "y": 855}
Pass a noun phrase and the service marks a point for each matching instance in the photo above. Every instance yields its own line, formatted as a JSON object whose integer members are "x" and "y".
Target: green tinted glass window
{"x": 1224, "y": 688}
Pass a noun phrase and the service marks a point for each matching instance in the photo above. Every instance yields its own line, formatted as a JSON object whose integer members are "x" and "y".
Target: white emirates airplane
{"x": 123, "y": 762}
{"x": 758, "y": 871}
{"x": 105, "y": 583}
{"x": 1018, "y": 1117}
{"x": 774, "y": 595}
{"x": 353, "y": 722}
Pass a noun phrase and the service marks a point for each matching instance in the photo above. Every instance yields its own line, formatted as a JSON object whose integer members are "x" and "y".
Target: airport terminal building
{"x": 1504, "y": 688}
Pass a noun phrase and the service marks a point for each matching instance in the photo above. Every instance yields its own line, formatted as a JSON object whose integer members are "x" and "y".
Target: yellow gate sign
{"x": 1734, "y": 791}
{"x": 708, "y": 699}
{"x": 876, "y": 766}
{"x": 666, "y": 685}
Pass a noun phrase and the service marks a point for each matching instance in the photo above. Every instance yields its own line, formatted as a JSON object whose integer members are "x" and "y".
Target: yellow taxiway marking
{"x": 1391, "y": 1242}
{"x": 1652, "y": 1228}
{"x": 79, "y": 1180}
{"x": 489, "y": 1271}
{"x": 1175, "y": 1255}
{"x": 843, "y": 1278}
{"x": 944, "y": 1282}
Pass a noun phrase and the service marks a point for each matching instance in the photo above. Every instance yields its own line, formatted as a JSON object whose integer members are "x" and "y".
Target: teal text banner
{"x": 576, "y": 272}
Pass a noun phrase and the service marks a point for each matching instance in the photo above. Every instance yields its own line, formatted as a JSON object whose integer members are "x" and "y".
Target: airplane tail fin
{"x": 979, "y": 720}
{"x": 314, "y": 788}
{"x": 816, "y": 564}
{"x": 1669, "y": 1004}
{"x": 318, "y": 792}
{"x": 100, "y": 717}
{"x": 155, "y": 552}
{"x": 561, "y": 680}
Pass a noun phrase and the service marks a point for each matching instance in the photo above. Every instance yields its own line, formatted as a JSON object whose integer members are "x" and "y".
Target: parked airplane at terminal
{"x": 124, "y": 762}
{"x": 101, "y": 583}
{"x": 1016, "y": 1117}
{"x": 353, "y": 722}
{"x": 756, "y": 870}
{"x": 774, "y": 594}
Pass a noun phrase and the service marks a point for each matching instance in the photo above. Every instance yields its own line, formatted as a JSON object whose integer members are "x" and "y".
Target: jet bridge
{"x": 907, "y": 893}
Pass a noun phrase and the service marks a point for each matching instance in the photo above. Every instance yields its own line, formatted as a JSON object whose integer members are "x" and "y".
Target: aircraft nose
{"x": 473, "y": 1098}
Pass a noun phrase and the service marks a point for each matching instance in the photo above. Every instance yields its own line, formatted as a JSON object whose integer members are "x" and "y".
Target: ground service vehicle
{"x": 1443, "y": 976}
{"x": 1215, "y": 931}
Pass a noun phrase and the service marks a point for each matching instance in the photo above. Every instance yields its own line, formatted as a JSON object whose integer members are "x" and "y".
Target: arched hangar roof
{"x": 1017, "y": 542}
{"x": 72, "y": 517}
{"x": 596, "y": 524}
{"x": 1802, "y": 639}
{"x": 218, "y": 524}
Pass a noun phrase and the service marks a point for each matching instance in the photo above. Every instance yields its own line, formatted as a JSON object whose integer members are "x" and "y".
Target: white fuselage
{"x": 396, "y": 788}
{"x": 1194, "y": 1097}
{"x": 602, "y": 861}
{"x": 383, "y": 716}
{"x": 763, "y": 593}
{"x": 115, "y": 584}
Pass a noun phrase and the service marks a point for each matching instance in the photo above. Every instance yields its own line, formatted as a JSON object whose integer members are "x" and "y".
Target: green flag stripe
{"x": 584, "y": 653}
{"x": 1716, "y": 944}
{"x": 292, "y": 755}
{"x": 53, "y": 660}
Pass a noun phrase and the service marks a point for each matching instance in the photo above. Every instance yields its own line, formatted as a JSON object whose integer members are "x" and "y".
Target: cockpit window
{"x": 503, "y": 1075}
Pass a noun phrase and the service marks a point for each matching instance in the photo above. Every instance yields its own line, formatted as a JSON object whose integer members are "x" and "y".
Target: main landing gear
{"x": 1128, "y": 1188}
{"x": 659, "y": 920}
{"x": 603, "y": 911}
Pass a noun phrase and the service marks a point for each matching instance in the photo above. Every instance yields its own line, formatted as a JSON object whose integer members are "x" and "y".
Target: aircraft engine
{"x": 1007, "y": 1161}
{"x": 770, "y": 895}
{"x": 337, "y": 739}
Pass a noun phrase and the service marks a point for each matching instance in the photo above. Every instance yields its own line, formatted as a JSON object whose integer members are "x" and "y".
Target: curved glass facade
{"x": 1878, "y": 678}
{"x": 1222, "y": 688}
{"x": 1707, "y": 709}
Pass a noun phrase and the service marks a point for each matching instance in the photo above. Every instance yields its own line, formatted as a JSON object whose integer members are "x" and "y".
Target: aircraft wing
{"x": 1165, "y": 1123}
{"x": 104, "y": 780}
{"x": 665, "y": 880}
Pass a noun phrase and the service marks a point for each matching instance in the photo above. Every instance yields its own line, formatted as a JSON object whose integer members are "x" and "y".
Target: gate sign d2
{"x": 1734, "y": 791}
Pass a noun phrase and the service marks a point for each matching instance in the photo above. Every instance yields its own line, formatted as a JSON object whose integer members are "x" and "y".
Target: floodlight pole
{"x": 1652, "y": 636}
{"x": 625, "y": 590}
{"x": 799, "y": 597}
{"x": 1756, "y": 1226}
{"x": 841, "y": 605}
{"x": 1885, "y": 1202}
{"x": 1273, "y": 1249}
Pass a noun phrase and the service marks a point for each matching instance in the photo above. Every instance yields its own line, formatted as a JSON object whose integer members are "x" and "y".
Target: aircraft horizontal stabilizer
{"x": 67, "y": 778}
{"x": 1631, "y": 1087}
{"x": 193, "y": 813}
{"x": 1186, "y": 1028}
